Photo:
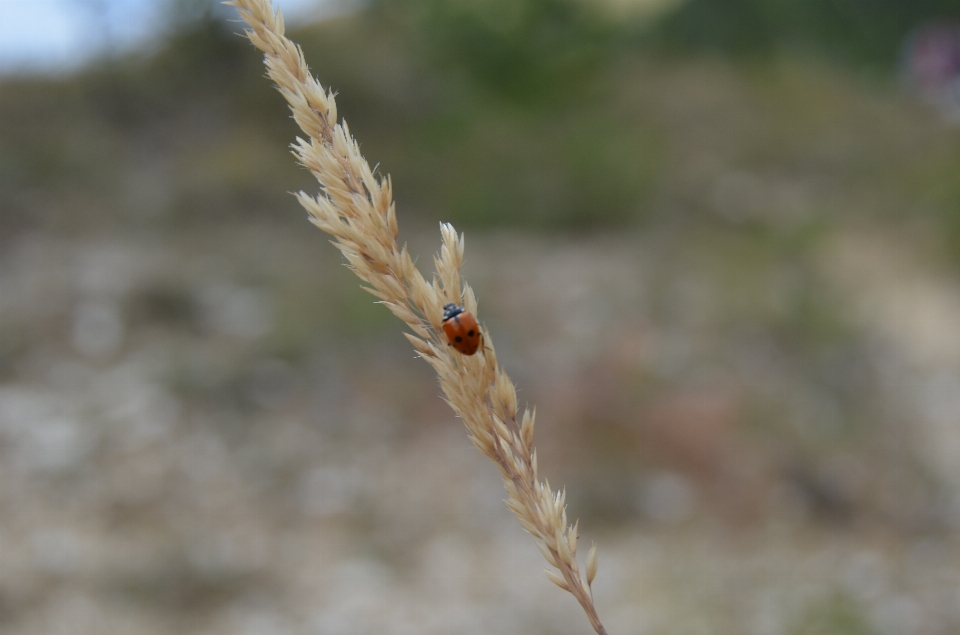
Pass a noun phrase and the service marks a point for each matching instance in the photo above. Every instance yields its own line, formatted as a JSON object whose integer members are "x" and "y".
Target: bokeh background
{"x": 717, "y": 243}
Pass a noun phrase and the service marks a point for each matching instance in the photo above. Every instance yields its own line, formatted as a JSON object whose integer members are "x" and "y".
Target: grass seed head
{"x": 356, "y": 208}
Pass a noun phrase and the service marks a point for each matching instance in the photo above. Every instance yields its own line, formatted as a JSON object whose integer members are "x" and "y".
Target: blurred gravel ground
{"x": 168, "y": 465}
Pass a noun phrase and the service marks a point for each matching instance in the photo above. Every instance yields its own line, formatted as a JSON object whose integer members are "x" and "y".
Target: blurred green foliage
{"x": 836, "y": 615}
{"x": 542, "y": 114}
{"x": 531, "y": 51}
{"x": 861, "y": 31}
{"x": 492, "y": 113}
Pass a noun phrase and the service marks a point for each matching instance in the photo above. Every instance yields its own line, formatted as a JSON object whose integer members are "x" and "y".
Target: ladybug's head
{"x": 451, "y": 311}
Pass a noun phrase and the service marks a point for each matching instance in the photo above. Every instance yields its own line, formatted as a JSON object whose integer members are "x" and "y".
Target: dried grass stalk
{"x": 357, "y": 209}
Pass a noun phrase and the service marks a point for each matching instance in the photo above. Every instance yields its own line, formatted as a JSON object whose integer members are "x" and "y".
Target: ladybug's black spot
{"x": 458, "y": 338}
{"x": 470, "y": 333}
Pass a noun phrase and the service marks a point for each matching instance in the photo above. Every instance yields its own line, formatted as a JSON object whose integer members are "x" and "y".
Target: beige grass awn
{"x": 357, "y": 209}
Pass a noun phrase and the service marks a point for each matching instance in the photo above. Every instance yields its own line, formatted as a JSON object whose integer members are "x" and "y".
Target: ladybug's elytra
{"x": 461, "y": 329}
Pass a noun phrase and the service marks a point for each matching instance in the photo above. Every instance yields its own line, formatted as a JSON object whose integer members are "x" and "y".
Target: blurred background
{"x": 717, "y": 243}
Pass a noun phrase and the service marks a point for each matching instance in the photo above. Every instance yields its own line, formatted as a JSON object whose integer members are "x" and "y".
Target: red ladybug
{"x": 461, "y": 329}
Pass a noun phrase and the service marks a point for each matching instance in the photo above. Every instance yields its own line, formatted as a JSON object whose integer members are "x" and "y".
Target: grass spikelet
{"x": 591, "y": 564}
{"x": 356, "y": 208}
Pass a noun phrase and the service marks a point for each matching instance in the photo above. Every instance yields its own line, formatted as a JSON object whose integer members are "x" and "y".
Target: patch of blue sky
{"x": 58, "y": 36}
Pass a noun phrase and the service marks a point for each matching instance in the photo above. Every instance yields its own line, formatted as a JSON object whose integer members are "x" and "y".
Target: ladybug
{"x": 461, "y": 328}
